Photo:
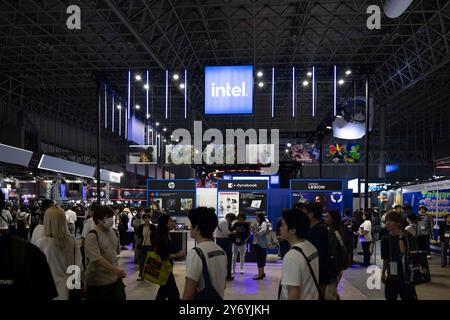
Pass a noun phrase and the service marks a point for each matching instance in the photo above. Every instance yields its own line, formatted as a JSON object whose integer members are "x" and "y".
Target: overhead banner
{"x": 15, "y": 155}
{"x": 352, "y": 123}
{"x": 229, "y": 90}
{"x": 65, "y": 166}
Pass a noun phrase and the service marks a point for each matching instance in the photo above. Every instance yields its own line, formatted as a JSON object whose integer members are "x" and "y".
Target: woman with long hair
{"x": 164, "y": 247}
{"x": 60, "y": 248}
{"x": 337, "y": 252}
{"x": 260, "y": 244}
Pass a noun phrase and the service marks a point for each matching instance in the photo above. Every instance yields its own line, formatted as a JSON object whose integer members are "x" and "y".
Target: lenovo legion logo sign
{"x": 316, "y": 186}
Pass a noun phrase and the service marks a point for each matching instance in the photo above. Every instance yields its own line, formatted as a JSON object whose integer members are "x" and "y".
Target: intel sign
{"x": 229, "y": 90}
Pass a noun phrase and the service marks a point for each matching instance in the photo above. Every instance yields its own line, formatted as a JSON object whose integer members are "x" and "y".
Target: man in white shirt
{"x": 71, "y": 218}
{"x": 298, "y": 280}
{"x": 365, "y": 237}
{"x": 222, "y": 235}
{"x": 203, "y": 222}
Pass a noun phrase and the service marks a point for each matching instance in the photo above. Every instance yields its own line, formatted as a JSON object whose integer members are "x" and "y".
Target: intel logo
{"x": 228, "y": 90}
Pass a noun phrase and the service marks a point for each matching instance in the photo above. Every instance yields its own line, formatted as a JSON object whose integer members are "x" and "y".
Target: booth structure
{"x": 242, "y": 196}
{"x": 329, "y": 192}
{"x": 173, "y": 196}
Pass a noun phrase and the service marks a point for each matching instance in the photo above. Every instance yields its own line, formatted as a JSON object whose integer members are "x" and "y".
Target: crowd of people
{"x": 316, "y": 247}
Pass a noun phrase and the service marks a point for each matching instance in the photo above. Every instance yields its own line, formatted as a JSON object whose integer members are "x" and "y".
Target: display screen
{"x": 305, "y": 153}
{"x": 178, "y": 154}
{"x": 142, "y": 154}
{"x": 345, "y": 153}
{"x": 329, "y": 200}
{"x": 172, "y": 203}
{"x": 252, "y": 203}
{"x": 229, "y": 90}
{"x": 133, "y": 194}
{"x": 352, "y": 123}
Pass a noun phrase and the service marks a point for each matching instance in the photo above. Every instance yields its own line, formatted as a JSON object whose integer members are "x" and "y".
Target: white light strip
{"x": 120, "y": 121}
{"x": 185, "y": 93}
{"x": 273, "y": 92}
{"x": 293, "y": 92}
{"x": 313, "y": 91}
{"x": 148, "y": 89}
{"x": 335, "y": 91}
{"x": 112, "y": 112}
{"x": 167, "y": 93}
{"x": 126, "y": 123}
{"x": 106, "y": 108}
{"x": 129, "y": 92}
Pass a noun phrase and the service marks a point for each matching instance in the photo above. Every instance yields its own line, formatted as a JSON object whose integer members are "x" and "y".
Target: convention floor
{"x": 353, "y": 285}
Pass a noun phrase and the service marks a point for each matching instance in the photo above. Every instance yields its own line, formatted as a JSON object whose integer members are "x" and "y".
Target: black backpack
{"x": 209, "y": 292}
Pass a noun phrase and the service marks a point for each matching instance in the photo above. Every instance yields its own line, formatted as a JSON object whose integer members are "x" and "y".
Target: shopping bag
{"x": 156, "y": 270}
{"x": 417, "y": 268}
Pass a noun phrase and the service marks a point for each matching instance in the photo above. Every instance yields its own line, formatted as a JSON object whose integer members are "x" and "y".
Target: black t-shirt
{"x": 390, "y": 251}
{"x": 318, "y": 236}
{"x": 24, "y": 271}
{"x": 242, "y": 230}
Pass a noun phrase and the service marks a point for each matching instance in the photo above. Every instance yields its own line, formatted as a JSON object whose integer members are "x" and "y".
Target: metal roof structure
{"x": 46, "y": 69}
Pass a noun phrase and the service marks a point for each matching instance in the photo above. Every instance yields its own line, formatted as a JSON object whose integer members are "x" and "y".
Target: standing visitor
{"x": 146, "y": 233}
{"x": 444, "y": 238}
{"x": 425, "y": 230}
{"x": 284, "y": 244}
{"x": 60, "y": 248}
{"x": 350, "y": 229}
{"x": 241, "y": 231}
{"x": 300, "y": 271}
{"x": 223, "y": 240}
{"x": 260, "y": 244}
{"x": 103, "y": 277}
{"x": 365, "y": 237}
{"x": 164, "y": 247}
{"x": 35, "y": 218}
{"x": 79, "y": 223}
{"x": 23, "y": 226}
{"x": 88, "y": 226}
{"x": 136, "y": 222}
{"x": 123, "y": 228}
{"x": 318, "y": 236}
{"x": 71, "y": 217}
{"x": 39, "y": 230}
{"x": 393, "y": 251}
{"x": 207, "y": 255}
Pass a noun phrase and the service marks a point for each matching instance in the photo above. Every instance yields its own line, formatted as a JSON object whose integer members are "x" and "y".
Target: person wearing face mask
{"x": 444, "y": 238}
{"x": 102, "y": 247}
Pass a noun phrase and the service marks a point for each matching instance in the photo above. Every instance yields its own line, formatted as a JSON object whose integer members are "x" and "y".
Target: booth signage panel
{"x": 312, "y": 185}
{"x": 243, "y": 185}
{"x": 229, "y": 90}
{"x": 171, "y": 185}
{"x": 15, "y": 155}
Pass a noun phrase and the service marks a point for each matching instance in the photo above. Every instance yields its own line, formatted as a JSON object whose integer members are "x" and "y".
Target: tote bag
{"x": 156, "y": 270}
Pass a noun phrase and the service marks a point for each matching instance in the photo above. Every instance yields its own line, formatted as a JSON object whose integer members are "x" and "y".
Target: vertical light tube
{"x": 273, "y": 92}
{"x": 185, "y": 93}
{"x": 120, "y": 120}
{"x": 129, "y": 94}
{"x": 106, "y": 108}
{"x": 167, "y": 94}
{"x": 147, "y": 115}
{"x": 126, "y": 123}
{"x": 313, "y": 91}
{"x": 335, "y": 91}
{"x": 293, "y": 92}
{"x": 112, "y": 112}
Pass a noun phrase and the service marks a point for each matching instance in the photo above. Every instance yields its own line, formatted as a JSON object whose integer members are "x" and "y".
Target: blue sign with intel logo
{"x": 229, "y": 90}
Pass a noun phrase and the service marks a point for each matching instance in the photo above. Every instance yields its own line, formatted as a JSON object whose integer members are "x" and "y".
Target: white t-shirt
{"x": 295, "y": 272}
{"x": 222, "y": 230}
{"x": 216, "y": 260}
{"x": 89, "y": 225}
{"x": 59, "y": 259}
{"x": 366, "y": 226}
{"x": 6, "y": 216}
{"x": 71, "y": 216}
{"x": 38, "y": 233}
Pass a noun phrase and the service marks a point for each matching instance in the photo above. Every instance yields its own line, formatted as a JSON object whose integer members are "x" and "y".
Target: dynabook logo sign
{"x": 229, "y": 90}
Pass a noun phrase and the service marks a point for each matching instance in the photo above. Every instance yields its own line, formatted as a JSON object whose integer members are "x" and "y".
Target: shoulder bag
{"x": 308, "y": 262}
{"x": 155, "y": 269}
{"x": 209, "y": 292}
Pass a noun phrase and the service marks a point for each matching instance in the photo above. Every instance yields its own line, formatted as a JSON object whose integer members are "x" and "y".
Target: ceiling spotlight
{"x": 305, "y": 83}
{"x": 289, "y": 145}
{"x": 137, "y": 107}
{"x": 348, "y": 72}
{"x": 119, "y": 107}
{"x": 338, "y": 116}
{"x": 182, "y": 86}
{"x": 159, "y": 136}
{"x": 287, "y": 150}
{"x": 146, "y": 86}
{"x": 176, "y": 76}
{"x": 203, "y": 172}
{"x": 215, "y": 175}
{"x": 196, "y": 151}
{"x": 151, "y": 130}
{"x": 148, "y": 116}
{"x": 30, "y": 173}
{"x": 121, "y": 174}
{"x": 165, "y": 129}
{"x": 217, "y": 170}
{"x": 165, "y": 140}
{"x": 259, "y": 74}
{"x": 157, "y": 124}
{"x": 261, "y": 84}
{"x": 397, "y": 182}
{"x": 138, "y": 77}
{"x": 171, "y": 136}
{"x": 309, "y": 74}
{"x": 341, "y": 82}
{"x": 329, "y": 127}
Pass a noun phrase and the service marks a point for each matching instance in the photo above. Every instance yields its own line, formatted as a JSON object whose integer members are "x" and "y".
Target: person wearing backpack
{"x": 300, "y": 270}
{"x": 338, "y": 258}
{"x": 393, "y": 251}
{"x": 206, "y": 264}
{"x": 103, "y": 277}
